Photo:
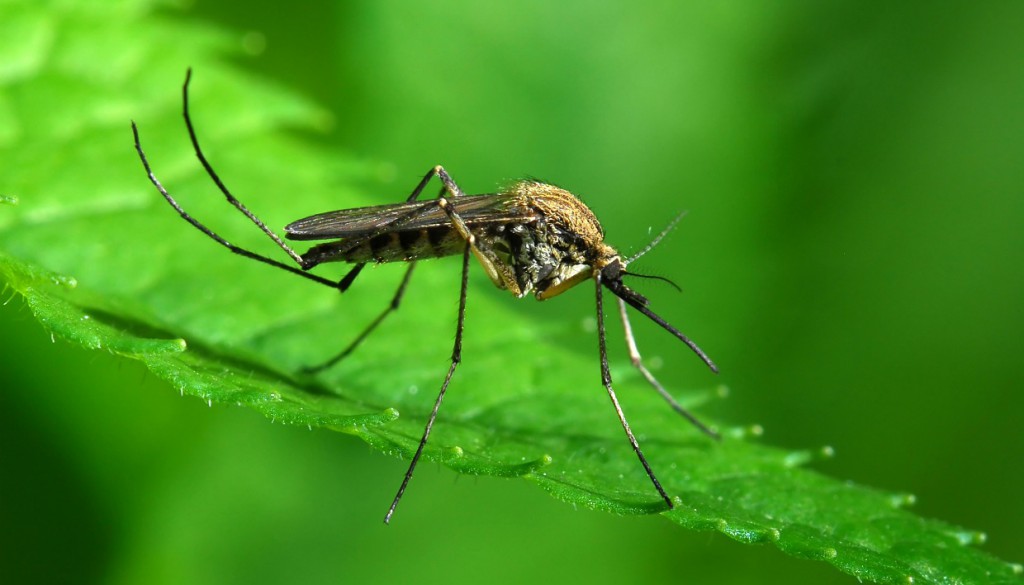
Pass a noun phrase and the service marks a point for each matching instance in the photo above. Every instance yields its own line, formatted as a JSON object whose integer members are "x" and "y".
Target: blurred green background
{"x": 852, "y": 259}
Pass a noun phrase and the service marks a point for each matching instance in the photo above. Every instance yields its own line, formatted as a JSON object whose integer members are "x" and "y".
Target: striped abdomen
{"x": 395, "y": 246}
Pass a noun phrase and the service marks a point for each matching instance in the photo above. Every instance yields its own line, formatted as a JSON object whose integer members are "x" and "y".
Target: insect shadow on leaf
{"x": 529, "y": 237}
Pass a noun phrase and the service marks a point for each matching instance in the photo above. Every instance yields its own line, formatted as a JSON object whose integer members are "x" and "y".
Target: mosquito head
{"x": 611, "y": 278}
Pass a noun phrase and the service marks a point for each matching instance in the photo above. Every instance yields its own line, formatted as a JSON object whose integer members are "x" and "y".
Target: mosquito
{"x": 529, "y": 237}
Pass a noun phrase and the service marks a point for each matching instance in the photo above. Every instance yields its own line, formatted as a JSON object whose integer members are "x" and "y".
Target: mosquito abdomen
{"x": 395, "y": 246}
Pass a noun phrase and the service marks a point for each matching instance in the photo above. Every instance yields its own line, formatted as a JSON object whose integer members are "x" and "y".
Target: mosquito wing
{"x": 475, "y": 210}
{"x": 405, "y": 231}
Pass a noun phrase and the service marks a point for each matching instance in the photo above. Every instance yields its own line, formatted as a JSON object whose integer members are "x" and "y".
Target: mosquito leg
{"x": 634, "y": 356}
{"x": 350, "y": 277}
{"x": 433, "y": 172}
{"x": 220, "y": 184}
{"x": 303, "y": 266}
{"x": 449, "y": 187}
{"x": 456, "y": 359}
{"x": 606, "y": 379}
{"x": 480, "y": 249}
{"x": 213, "y": 235}
{"x": 448, "y": 182}
{"x": 395, "y": 301}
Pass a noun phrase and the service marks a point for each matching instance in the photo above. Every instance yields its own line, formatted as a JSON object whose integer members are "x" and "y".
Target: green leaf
{"x": 103, "y": 262}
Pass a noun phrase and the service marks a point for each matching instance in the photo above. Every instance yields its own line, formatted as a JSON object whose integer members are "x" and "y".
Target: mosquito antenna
{"x": 671, "y": 225}
{"x": 654, "y": 277}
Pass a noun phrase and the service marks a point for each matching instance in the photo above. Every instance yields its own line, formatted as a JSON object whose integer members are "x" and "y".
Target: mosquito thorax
{"x": 556, "y": 244}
